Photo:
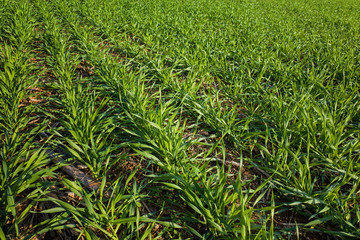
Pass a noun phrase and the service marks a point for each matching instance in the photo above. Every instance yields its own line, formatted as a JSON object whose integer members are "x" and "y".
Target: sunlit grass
{"x": 185, "y": 89}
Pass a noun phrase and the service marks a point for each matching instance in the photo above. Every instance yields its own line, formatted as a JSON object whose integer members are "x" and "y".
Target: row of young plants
{"x": 161, "y": 134}
{"x": 84, "y": 135}
{"x": 306, "y": 125}
{"x": 23, "y": 161}
{"x": 162, "y": 73}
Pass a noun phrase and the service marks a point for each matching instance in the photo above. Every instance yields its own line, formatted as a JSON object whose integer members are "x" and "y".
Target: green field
{"x": 182, "y": 119}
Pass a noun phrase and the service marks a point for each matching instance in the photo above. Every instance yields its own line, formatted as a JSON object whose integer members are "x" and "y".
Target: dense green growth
{"x": 241, "y": 116}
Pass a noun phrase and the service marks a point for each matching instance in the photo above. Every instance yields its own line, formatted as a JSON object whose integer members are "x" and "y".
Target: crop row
{"x": 240, "y": 117}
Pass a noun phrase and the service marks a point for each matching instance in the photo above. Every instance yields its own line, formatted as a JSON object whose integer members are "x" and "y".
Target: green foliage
{"x": 186, "y": 86}
{"x": 90, "y": 128}
{"x": 113, "y": 210}
{"x": 224, "y": 208}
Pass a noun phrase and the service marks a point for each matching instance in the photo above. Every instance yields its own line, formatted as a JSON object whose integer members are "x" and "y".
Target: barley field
{"x": 182, "y": 119}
